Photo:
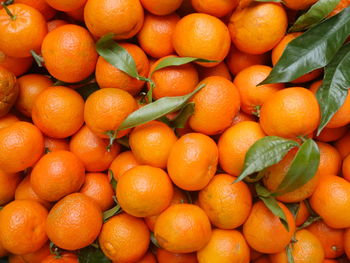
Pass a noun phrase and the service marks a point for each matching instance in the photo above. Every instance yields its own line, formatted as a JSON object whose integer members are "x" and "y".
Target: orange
{"x": 53, "y": 24}
{"x": 3, "y": 252}
{"x": 77, "y": 14}
{"x": 299, "y": 4}
{"x": 329, "y": 261}
{"x": 145, "y": 138}
{"x": 215, "y": 106}
{"x": 262, "y": 259}
{"x": 92, "y": 150}
{"x": 58, "y": 112}
{"x": 266, "y": 20}
{"x": 224, "y": 246}
{"x": 38, "y": 255}
{"x": 341, "y": 5}
{"x": 122, "y": 18}
{"x": 21, "y": 146}
{"x": 8, "y": 90}
{"x": 40, "y": 5}
{"x": 17, "y": 66}
{"x": 23, "y": 33}
{"x": 202, "y": 36}
{"x": 215, "y": 8}
{"x": 302, "y": 214}
{"x": 227, "y": 204}
{"x": 343, "y": 145}
{"x": 219, "y": 70}
{"x": 66, "y": 5}
{"x": 148, "y": 258}
{"x": 8, "y": 185}
{"x": 330, "y": 159}
{"x": 289, "y": 113}
{"x": 347, "y": 242}
{"x": 330, "y": 199}
{"x": 98, "y": 188}
{"x": 108, "y": 76}
{"x": 15, "y": 259}
{"x": 241, "y": 116}
{"x": 332, "y": 134}
{"x": 52, "y": 144}
{"x": 155, "y": 36}
{"x": 22, "y": 228}
{"x": 162, "y": 8}
{"x": 346, "y": 168}
{"x": 56, "y": 175}
{"x": 264, "y": 231}
{"x": 235, "y": 142}
{"x": 29, "y": 88}
{"x": 7, "y": 120}
{"x": 75, "y": 230}
{"x": 122, "y": 232}
{"x": 253, "y": 95}
{"x": 122, "y": 163}
{"x": 165, "y": 256}
{"x": 182, "y": 228}
{"x": 65, "y": 258}
{"x": 193, "y": 161}
{"x": 173, "y": 81}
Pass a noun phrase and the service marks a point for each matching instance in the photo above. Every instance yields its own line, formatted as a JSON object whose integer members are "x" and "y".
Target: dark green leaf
{"x": 309, "y": 221}
{"x": 293, "y": 208}
{"x": 183, "y": 116}
{"x": 165, "y": 120}
{"x": 8, "y": 2}
{"x": 124, "y": 141}
{"x": 264, "y": 153}
{"x": 312, "y": 50}
{"x": 86, "y": 91}
{"x": 91, "y": 254}
{"x": 154, "y": 240}
{"x": 111, "y": 212}
{"x": 334, "y": 89}
{"x": 290, "y": 257}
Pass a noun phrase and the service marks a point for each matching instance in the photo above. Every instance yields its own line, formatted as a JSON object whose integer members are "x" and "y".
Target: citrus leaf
{"x": 293, "y": 208}
{"x": 112, "y": 180}
{"x": 312, "y": 50}
{"x": 309, "y": 221}
{"x": 183, "y": 116}
{"x": 38, "y": 59}
{"x": 314, "y": 15}
{"x": 334, "y": 89}
{"x": 290, "y": 257}
{"x": 91, "y": 254}
{"x": 302, "y": 169}
{"x": 157, "y": 109}
{"x": 154, "y": 240}
{"x": 86, "y": 91}
{"x": 124, "y": 141}
{"x": 111, "y": 212}
{"x": 264, "y": 153}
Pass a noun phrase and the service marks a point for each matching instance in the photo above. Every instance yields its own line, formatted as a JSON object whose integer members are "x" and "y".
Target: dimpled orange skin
{"x": 56, "y": 175}
{"x": 122, "y": 18}
{"x": 122, "y": 232}
{"x": 299, "y": 4}
{"x": 234, "y": 144}
{"x": 65, "y": 258}
{"x": 8, "y": 90}
{"x": 214, "y": 7}
{"x": 74, "y": 222}
{"x": 22, "y": 228}
{"x": 122, "y": 163}
{"x": 202, "y": 36}
{"x": 193, "y": 161}
{"x": 289, "y": 113}
{"x": 182, "y": 228}
{"x": 215, "y": 106}
{"x": 25, "y": 33}
{"x": 47, "y": 11}
{"x": 227, "y": 204}
{"x": 66, "y": 5}
{"x": 162, "y": 8}
{"x": 8, "y": 185}
{"x": 164, "y": 256}
{"x": 17, "y": 66}
{"x": 21, "y": 146}
{"x": 58, "y": 112}
{"x": 257, "y": 28}
{"x": 264, "y": 231}
{"x": 69, "y": 53}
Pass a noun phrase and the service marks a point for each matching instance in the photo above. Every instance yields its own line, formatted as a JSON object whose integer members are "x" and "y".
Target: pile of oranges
{"x": 70, "y": 181}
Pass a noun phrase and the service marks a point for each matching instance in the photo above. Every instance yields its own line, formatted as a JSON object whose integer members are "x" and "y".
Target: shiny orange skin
{"x": 215, "y": 106}
{"x": 347, "y": 242}
{"x": 8, "y": 185}
{"x": 7, "y": 120}
{"x": 70, "y": 217}
{"x": 108, "y": 76}
{"x": 92, "y": 150}
{"x": 47, "y": 11}
{"x": 65, "y": 258}
{"x": 22, "y": 228}
{"x": 66, "y": 5}
{"x": 299, "y": 4}
{"x": 343, "y": 145}
{"x": 148, "y": 258}
{"x": 56, "y": 175}
{"x": 227, "y": 204}
{"x": 149, "y": 136}
{"x": 264, "y": 231}
{"x": 162, "y": 8}
{"x": 122, "y": 232}
{"x": 98, "y": 188}
{"x": 346, "y": 168}
{"x": 302, "y": 214}
{"x": 289, "y": 113}
{"x": 23, "y": 34}
{"x": 52, "y": 144}
{"x": 332, "y": 134}
{"x": 219, "y": 70}
{"x": 17, "y": 66}
{"x": 123, "y": 18}
{"x": 215, "y": 8}
{"x": 122, "y": 163}
{"x": 38, "y": 255}
{"x": 202, "y": 36}
{"x": 53, "y": 24}
{"x": 29, "y": 88}
{"x": 234, "y": 144}
{"x": 266, "y": 20}
{"x": 69, "y": 53}
{"x": 182, "y": 228}
{"x": 164, "y": 256}
{"x": 8, "y": 91}
{"x": 193, "y": 161}
{"x": 155, "y": 36}
{"x": 21, "y": 146}
{"x": 330, "y": 159}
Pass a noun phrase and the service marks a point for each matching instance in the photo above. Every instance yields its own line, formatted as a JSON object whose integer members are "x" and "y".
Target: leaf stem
{"x": 12, "y": 16}
{"x": 38, "y": 59}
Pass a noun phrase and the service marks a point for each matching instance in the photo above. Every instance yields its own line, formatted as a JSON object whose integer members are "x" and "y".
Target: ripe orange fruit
{"x": 53, "y": 24}
{"x": 341, "y": 5}
{"x": 123, "y": 18}
{"x": 108, "y": 76}
{"x": 22, "y": 33}
{"x": 29, "y": 88}
{"x": 22, "y": 228}
{"x": 182, "y": 228}
{"x": 122, "y": 232}
{"x": 56, "y": 175}
{"x": 17, "y": 66}
{"x": 41, "y": 5}
{"x": 148, "y": 258}
{"x": 193, "y": 161}
{"x": 234, "y": 144}
{"x": 299, "y": 4}
{"x": 202, "y": 36}
{"x": 302, "y": 214}
{"x": 219, "y": 70}
{"x": 7, "y": 120}
{"x": 346, "y": 168}
{"x": 332, "y": 134}
{"x": 38, "y": 255}
{"x": 8, "y": 91}
{"x": 3, "y": 252}
{"x": 264, "y": 231}
{"x": 262, "y": 259}
{"x": 77, "y": 15}
{"x": 66, "y": 5}
{"x": 164, "y": 256}
{"x": 289, "y": 113}
{"x": 15, "y": 259}
{"x": 343, "y": 145}
{"x": 122, "y": 163}
{"x": 215, "y": 8}
{"x": 65, "y": 258}
{"x": 52, "y": 144}
{"x": 267, "y": 20}
{"x": 330, "y": 160}
{"x": 162, "y": 8}
{"x": 65, "y": 228}
{"x": 8, "y": 185}
{"x": 347, "y": 242}
{"x": 241, "y": 116}
{"x": 21, "y": 146}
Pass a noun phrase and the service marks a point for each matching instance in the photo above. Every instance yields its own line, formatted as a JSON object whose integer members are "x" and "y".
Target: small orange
{"x": 148, "y": 258}
{"x": 164, "y": 256}
{"x": 219, "y": 70}
{"x": 162, "y": 8}
{"x": 302, "y": 214}
{"x": 38, "y": 255}
{"x": 332, "y": 134}
{"x": 299, "y": 4}
{"x": 241, "y": 116}
{"x": 346, "y": 168}
{"x": 77, "y": 15}
{"x": 41, "y": 5}
{"x": 8, "y": 185}
{"x": 53, "y": 24}
{"x": 7, "y": 120}
{"x": 64, "y": 258}
{"x": 8, "y": 91}
{"x": 52, "y": 144}
{"x": 66, "y": 5}
{"x": 122, "y": 163}
{"x": 343, "y": 145}
{"x": 214, "y": 7}
{"x": 347, "y": 242}
{"x": 17, "y": 66}
{"x": 330, "y": 160}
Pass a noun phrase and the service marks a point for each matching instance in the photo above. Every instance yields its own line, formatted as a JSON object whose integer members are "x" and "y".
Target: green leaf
{"x": 112, "y": 180}
{"x": 290, "y": 257}
{"x": 314, "y": 15}
{"x": 334, "y": 89}
{"x": 111, "y": 212}
{"x": 124, "y": 141}
{"x": 183, "y": 116}
{"x": 86, "y": 91}
{"x": 302, "y": 169}
{"x": 157, "y": 109}
{"x": 154, "y": 240}
{"x": 293, "y": 208}
{"x": 264, "y": 153}
{"x": 38, "y": 59}
{"x": 91, "y": 254}
{"x": 309, "y": 221}
{"x": 312, "y": 50}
